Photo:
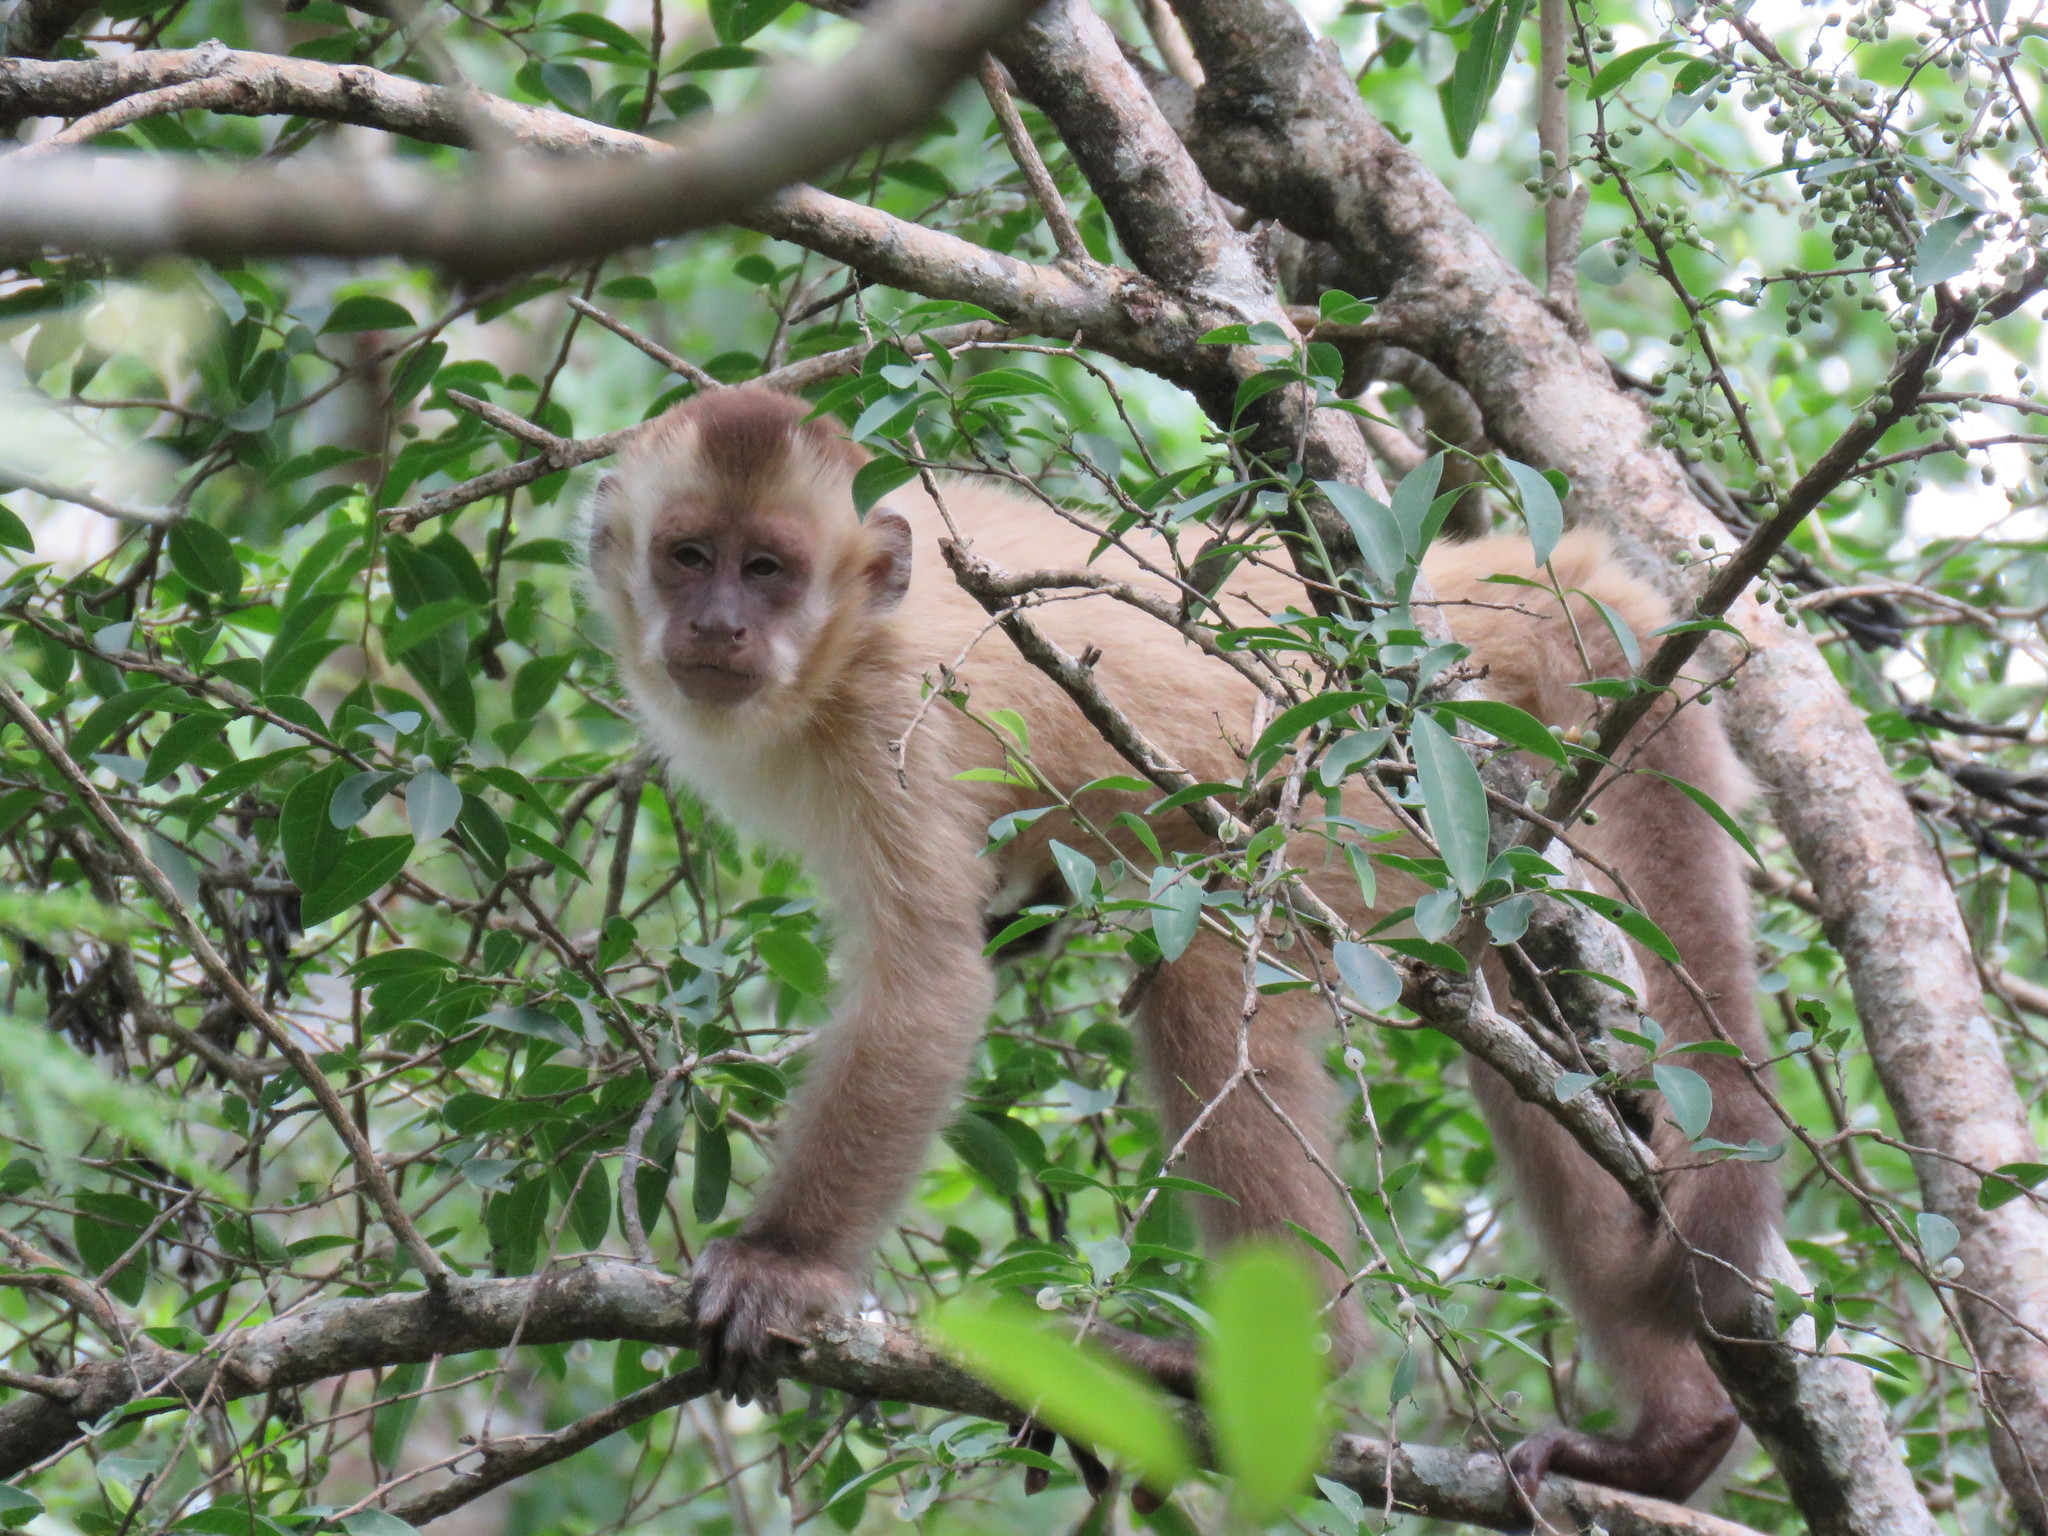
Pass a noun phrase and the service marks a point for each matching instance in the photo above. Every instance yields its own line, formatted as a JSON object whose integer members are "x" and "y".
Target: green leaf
{"x": 711, "y": 1176}
{"x": 423, "y": 623}
{"x": 1455, "y": 800}
{"x": 107, "y": 1226}
{"x": 1178, "y": 916}
{"x": 985, "y": 1149}
{"x": 1617, "y": 626}
{"x": 1689, "y": 1095}
{"x": 1075, "y": 1387}
{"x": 1712, "y": 807}
{"x": 1262, "y": 1378}
{"x": 181, "y": 742}
{"x": 1948, "y": 249}
{"x": 1372, "y": 526}
{"x": 1369, "y": 976}
{"x": 432, "y": 803}
{"x": 1413, "y": 500}
{"x": 364, "y": 868}
{"x": 534, "y": 1023}
{"x": 541, "y": 848}
{"x": 1290, "y": 723}
{"x": 1477, "y": 75}
{"x": 1515, "y": 726}
{"x": 307, "y": 834}
{"x": 367, "y": 312}
{"x": 14, "y": 534}
{"x": 375, "y": 1522}
{"x": 1541, "y": 510}
{"x": 877, "y": 478}
{"x": 1939, "y": 1237}
{"x": 391, "y": 1421}
{"x": 1077, "y": 869}
{"x": 599, "y": 29}
{"x": 17, "y": 1507}
{"x": 1624, "y": 67}
{"x": 1628, "y": 920}
{"x": 204, "y": 557}
{"x": 2008, "y": 1183}
{"x": 794, "y": 960}
{"x": 1569, "y": 1085}
{"x": 535, "y": 683}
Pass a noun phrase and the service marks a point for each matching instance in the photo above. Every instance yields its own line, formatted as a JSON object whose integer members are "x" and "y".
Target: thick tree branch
{"x": 608, "y": 1299}
{"x": 510, "y": 214}
{"x": 34, "y": 27}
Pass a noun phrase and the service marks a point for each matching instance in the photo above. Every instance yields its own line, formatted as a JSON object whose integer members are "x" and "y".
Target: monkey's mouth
{"x": 711, "y": 682}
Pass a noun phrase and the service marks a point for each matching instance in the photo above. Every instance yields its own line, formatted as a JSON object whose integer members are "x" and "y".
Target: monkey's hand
{"x": 751, "y": 1306}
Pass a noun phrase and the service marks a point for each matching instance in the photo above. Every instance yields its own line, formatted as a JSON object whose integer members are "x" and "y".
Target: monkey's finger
{"x": 1093, "y": 1472}
{"x": 1033, "y": 1436}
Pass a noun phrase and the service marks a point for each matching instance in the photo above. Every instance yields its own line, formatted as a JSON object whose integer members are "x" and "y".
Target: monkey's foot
{"x": 751, "y": 1304}
{"x": 1667, "y": 1461}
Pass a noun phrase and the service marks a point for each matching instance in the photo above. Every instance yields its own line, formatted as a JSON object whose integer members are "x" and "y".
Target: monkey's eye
{"x": 762, "y": 566}
{"x": 691, "y": 557}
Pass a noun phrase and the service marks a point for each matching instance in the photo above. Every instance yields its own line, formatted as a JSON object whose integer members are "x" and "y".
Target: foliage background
{"x": 557, "y": 902}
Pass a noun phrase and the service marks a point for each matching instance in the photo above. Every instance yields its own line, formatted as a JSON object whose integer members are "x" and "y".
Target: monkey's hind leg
{"x": 1188, "y": 1018}
{"x": 1636, "y": 1301}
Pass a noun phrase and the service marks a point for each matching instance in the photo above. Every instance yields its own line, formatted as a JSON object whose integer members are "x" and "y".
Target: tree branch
{"x": 512, "y": 214}
{"x": 609, "y": 1299}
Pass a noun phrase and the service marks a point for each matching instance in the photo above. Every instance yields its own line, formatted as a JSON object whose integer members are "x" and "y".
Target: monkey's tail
{"x": 1639, "y": 1294}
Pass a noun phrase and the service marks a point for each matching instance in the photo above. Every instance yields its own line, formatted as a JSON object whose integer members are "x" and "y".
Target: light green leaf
{"x": 1939, "y": 1237}
{"x": 1689, "y": 1095}
{"x": 1712, "y": 807}
{"x": 1541, "y": 510}
{"x": 794, "y": 960}
{"x": 1262, "y": 1378}
{"x": 1515, "y": 726}
{"x": 1455, "y": 800}
{"x": 1368, "y": 974}
{"x": 1074, "y": 1386}
{"x": 1948, "y": 249}
{"x": 1077, "y": 869}
{"x": 1178, "y": 916}
{"x": 432, "y": 802}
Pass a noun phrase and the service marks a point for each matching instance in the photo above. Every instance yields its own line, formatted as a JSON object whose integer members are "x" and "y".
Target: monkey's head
{"x": 726, "y": 553}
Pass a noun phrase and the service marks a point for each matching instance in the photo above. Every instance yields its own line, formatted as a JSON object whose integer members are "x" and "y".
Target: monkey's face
{"x": 733, "y": 597}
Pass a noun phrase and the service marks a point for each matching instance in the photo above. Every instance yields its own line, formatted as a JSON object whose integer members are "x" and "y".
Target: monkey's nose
{"x": 717, "y": 633}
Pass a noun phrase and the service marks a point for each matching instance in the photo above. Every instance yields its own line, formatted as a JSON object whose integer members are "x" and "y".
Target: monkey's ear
{"x": 888, "y": 567}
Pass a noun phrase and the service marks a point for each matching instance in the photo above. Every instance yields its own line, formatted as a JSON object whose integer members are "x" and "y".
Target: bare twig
{"x": 1066, "y": 237}
{"x": 654, "y": 349}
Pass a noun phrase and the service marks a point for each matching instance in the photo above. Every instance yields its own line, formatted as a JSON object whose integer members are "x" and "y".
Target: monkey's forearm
{"x": 881, "y": 1084}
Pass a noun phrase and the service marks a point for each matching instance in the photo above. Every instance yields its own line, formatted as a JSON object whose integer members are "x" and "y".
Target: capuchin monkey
{"x": 778, "y": 648}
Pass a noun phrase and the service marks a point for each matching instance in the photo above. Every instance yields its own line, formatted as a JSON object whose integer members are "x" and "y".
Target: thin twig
{"x": 232, "y": 987}
{"x": 654, "y": 349}
{"x": 1066, "y": 236}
